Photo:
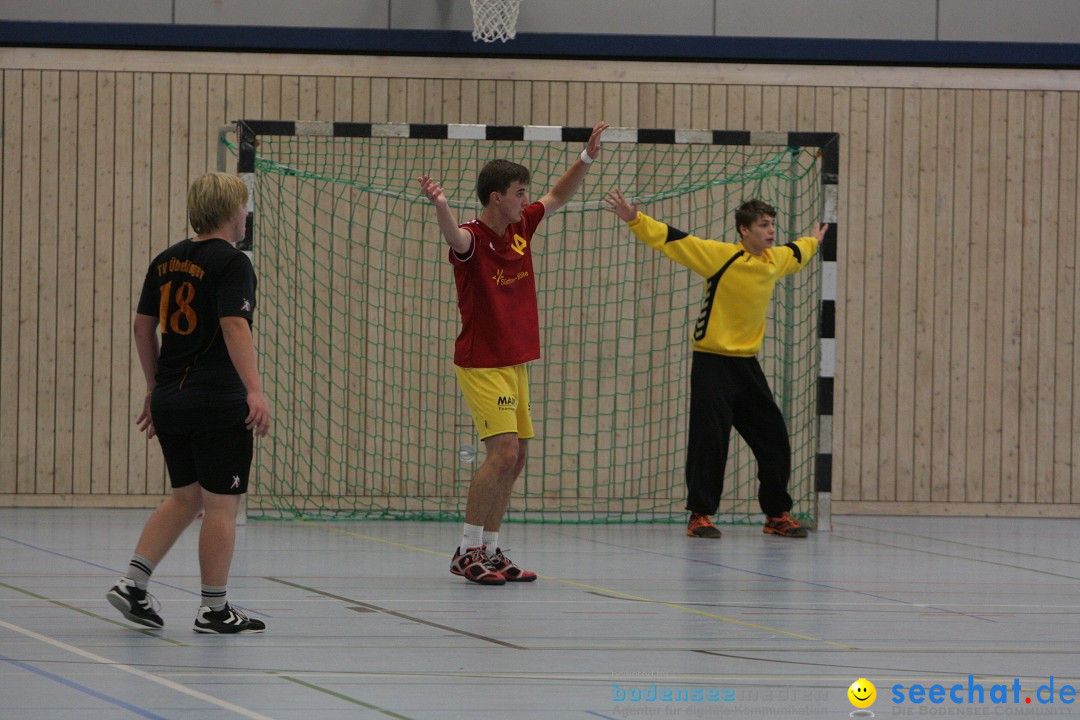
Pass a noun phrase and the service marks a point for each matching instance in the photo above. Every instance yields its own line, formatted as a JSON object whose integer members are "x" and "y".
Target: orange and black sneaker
{"x": 785, "y": 526}
{"x": 701, "y": 526}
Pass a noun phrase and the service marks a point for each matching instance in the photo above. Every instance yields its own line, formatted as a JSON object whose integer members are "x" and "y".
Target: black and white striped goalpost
{"x": 828, "y": 149}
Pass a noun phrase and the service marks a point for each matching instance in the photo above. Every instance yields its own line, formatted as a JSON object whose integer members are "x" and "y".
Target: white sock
{"x": 491, "y": 541}
{"x": 139, "y": 571}
{"x": 472, "y": 537}
{"x": 213, "y": 597}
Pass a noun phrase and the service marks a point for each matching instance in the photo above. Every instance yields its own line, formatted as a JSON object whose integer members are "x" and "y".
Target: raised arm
{"x": 702, "y": 256}
{"x": 804, "y": 248}
{"x": 565, "y": 187}
{"x": 460, "y": 240}
{"x": 620, "y": 205}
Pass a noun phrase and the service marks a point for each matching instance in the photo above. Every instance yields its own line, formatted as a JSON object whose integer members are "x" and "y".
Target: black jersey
{"x": 189, "y": 288}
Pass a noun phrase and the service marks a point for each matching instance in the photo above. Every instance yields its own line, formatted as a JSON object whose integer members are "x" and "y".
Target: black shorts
{"x": 219, "y": 460}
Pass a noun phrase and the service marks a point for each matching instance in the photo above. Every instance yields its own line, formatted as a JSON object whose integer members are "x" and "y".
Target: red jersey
{"x": 496, "y": 288}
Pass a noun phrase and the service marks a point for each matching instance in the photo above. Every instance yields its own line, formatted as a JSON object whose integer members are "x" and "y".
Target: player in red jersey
{"x": 500, "y": 333}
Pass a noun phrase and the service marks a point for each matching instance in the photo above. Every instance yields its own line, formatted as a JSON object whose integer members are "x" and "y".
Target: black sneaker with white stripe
{"x": 226, "y": 621}
{"x": 136, "y": 605}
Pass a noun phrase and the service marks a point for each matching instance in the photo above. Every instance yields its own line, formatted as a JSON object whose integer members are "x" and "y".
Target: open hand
{"x": 433, "y": 191}
{"x": 620, "y": 206}
{"x": 593, "y": 148}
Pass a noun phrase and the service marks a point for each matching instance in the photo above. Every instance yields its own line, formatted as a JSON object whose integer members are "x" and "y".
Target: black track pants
{"x": 727, "y": 392}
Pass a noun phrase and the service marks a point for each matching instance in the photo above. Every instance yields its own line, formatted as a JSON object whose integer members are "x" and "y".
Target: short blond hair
{"x": 214, "y": 199}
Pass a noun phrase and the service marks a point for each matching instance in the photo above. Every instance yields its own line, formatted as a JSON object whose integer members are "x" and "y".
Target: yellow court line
{"x": 674, "y": 606}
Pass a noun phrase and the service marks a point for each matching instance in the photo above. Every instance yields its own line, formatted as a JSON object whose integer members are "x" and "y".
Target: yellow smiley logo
{"x": 862, "y": 693}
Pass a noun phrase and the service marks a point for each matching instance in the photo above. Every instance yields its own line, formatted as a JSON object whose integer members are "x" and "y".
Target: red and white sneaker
{"x": 475, "y": 566}
{"x": 508, "y": 569}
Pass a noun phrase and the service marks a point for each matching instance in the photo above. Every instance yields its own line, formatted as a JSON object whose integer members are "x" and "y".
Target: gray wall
{"x": 987, "y": 20}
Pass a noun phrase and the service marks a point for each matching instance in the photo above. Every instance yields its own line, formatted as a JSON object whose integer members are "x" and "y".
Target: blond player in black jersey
{"x": 204, "y": 400}
{"x": 727, "y": 386}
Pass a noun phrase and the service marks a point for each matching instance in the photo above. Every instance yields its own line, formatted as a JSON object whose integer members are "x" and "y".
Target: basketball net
{"x": 494, "y": 19}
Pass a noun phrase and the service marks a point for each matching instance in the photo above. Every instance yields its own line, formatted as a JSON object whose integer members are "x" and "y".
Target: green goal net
{"x": 357, "y": 317}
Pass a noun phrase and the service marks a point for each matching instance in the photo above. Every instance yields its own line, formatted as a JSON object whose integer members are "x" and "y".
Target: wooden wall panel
{"x": 48, "y": 243}
{"x": 851, "y": 278}
{"x": 1066, "y": 410}
{"x": 1013, "y": 321}
{"x": 104, "y": 243}
{"x": 29, "y": 295}
{"x": 957, "y": 226}
{"x": 126, "y": 376}
{"x": 1066, "y": 453}
{"x": 1035, "y": 307}
{"x": 906, "y": 309}
{"x": 10, "y": 171}
{"x": 84, "y": 249}
{"x": 67, "y": 284}
{"x": 894, "y": 234}
{"x": 876, "y": 458}
{"x": 976, "y": 371}
{"x": 926, "y": 187}
{"x": 942, "y": 409}
{"x": 957, "y": 288}
{"x": 1045, "y": 160}
{"x": 996, "y": 291}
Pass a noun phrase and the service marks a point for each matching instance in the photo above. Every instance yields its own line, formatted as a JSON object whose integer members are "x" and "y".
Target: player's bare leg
{"x": 505, "y": 487}
{"x": 498, "y": 558}
{"x": 169, "y": 521}
{"x": 494, "y": 479}
{"x": 216, "y": 542}
{"x": 161, "y": 531}
{"x": 488, "y": 493}
{"x": 217, "y": 537}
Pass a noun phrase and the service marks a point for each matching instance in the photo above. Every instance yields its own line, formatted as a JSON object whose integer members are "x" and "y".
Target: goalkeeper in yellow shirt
{"x": 727, "y": 386}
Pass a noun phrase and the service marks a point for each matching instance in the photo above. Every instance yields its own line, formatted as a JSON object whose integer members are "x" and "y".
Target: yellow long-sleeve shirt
{"x": 738, "y": 285}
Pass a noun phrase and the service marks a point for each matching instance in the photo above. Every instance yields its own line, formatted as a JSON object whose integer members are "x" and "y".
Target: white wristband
{"x": 585, "y": 157}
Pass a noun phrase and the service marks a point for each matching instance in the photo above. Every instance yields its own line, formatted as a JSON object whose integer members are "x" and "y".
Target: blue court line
{"x": 66, "y": 557}
{"x": 788, "y": 579}
{"x": 83, "y": 689}
{"x": 112, "y": 570}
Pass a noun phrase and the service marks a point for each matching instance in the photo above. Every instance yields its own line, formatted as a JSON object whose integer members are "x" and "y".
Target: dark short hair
{"x": 497, "y": 176}
{"x": 751, "y": 211}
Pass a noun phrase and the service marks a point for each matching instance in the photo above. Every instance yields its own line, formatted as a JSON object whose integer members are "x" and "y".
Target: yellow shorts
{"x": 498, "y": 399}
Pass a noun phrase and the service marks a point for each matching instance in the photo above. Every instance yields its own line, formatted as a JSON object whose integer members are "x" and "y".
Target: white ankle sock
{"x": 472, "y": 537}
{"x": 139, "y": 571}
{"x": 491, "y": 541}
